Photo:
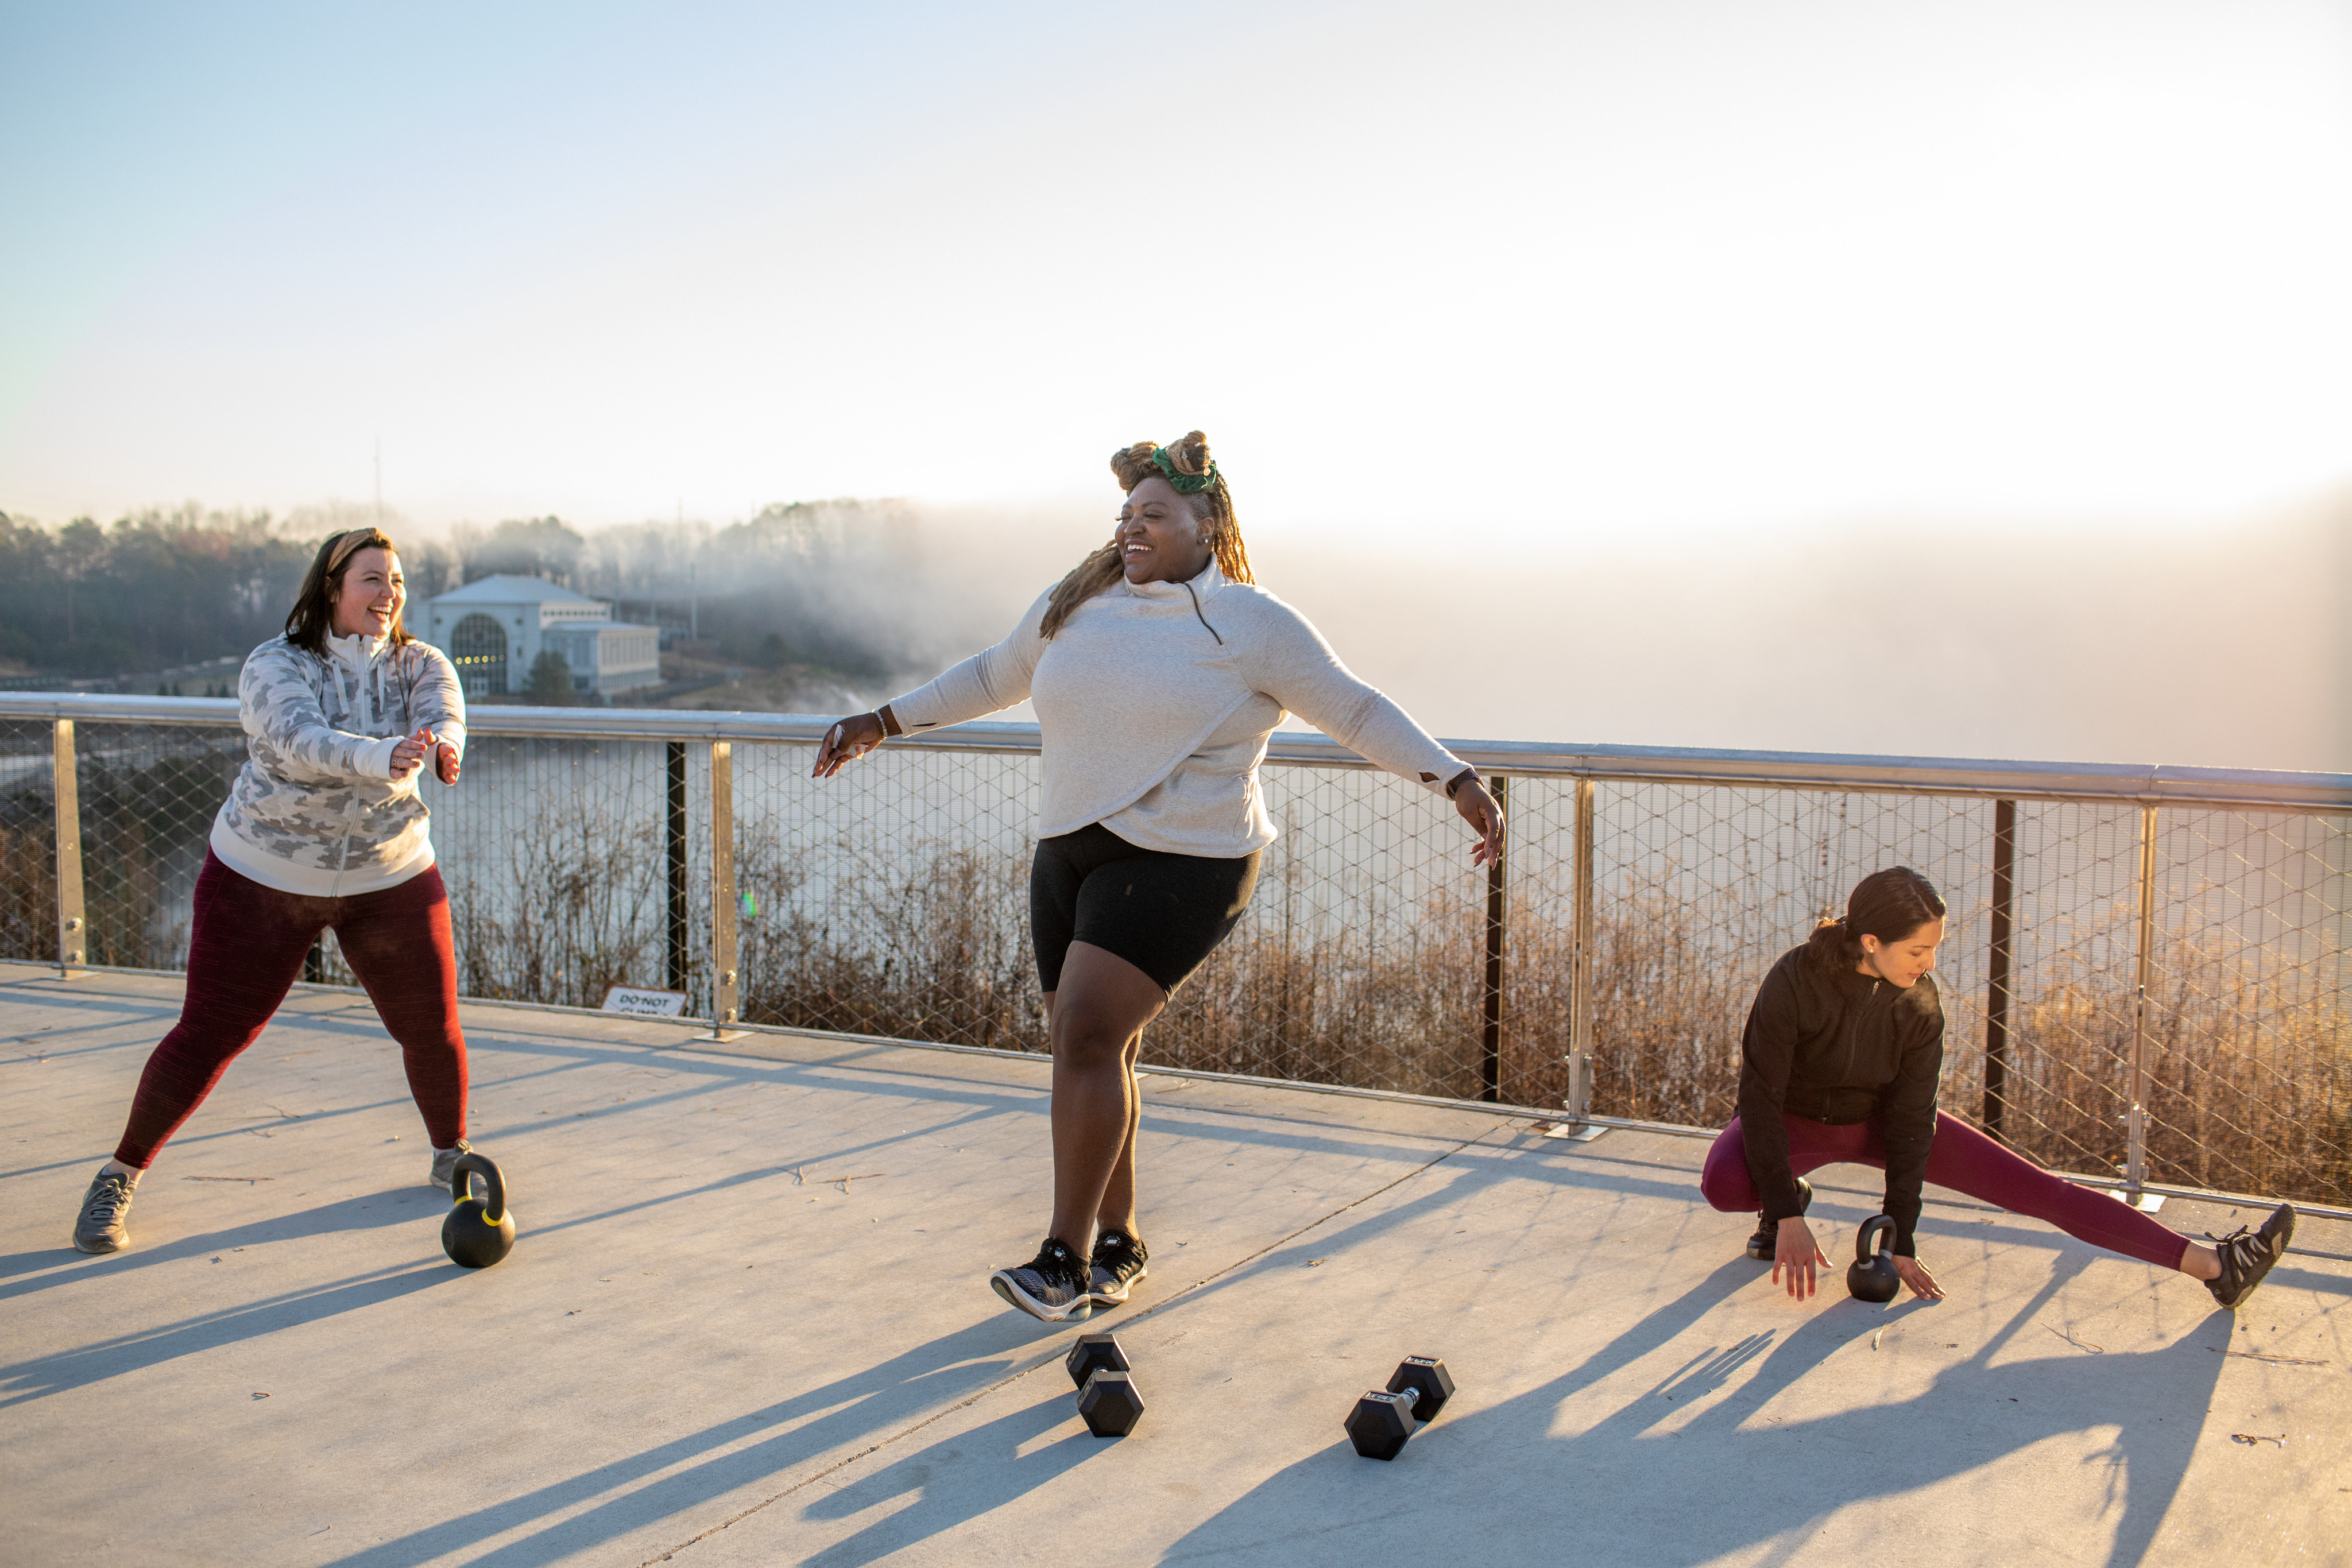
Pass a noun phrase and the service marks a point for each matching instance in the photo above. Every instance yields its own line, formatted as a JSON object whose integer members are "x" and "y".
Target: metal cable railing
{"x": 2145, "y": 981}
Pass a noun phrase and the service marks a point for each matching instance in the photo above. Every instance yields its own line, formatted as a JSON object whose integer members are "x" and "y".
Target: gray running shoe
{"x": 1765, "y": 1245}
{"x": 1117, "y": 1265}
{"x": 1050, "y": 1286}
{"x": 444, "y": 1166}
{"x": 2246, "y": 1259}
{"x": 104, "y": 1207}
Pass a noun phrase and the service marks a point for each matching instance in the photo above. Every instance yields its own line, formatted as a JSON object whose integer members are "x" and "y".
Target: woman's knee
{"x": 1089, "y": 1039}
{"x": 1724, "y": 1180}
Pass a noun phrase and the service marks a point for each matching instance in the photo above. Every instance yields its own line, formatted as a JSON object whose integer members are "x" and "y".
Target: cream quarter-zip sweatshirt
{"x": 1155, "y": 700}
{"x": 315, "y": 809}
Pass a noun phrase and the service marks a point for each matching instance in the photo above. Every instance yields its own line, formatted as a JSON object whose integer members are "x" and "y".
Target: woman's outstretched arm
{"x": 1293, "y": 664}
{"x": 988, "y": 682}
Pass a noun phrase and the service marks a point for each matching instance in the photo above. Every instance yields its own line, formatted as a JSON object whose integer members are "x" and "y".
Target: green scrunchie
{"x": 1184, "y": 484}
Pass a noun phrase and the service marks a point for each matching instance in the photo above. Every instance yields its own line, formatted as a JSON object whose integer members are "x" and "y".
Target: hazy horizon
{"x": 2222, "y": 645}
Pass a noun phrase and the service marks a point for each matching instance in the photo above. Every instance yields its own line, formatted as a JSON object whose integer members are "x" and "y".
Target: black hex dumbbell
{"x": 1108, "y": 1401}
{"x": 1386, "y": 1418}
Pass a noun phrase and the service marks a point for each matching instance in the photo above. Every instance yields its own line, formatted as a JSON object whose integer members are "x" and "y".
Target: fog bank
{"x": 2223, "y": 646}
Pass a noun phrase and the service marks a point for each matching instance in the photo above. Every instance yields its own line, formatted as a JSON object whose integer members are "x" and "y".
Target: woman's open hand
{"x": 411, "y": 753}
{"x": 1478, "y": 809}
{"x": 847, "y": 741}
{"x": 1914, "y": 1274}
{"x": 1797, "y": 1253}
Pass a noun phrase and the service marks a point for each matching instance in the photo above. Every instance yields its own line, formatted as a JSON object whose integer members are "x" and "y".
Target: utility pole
{"x": 379, "y": 483}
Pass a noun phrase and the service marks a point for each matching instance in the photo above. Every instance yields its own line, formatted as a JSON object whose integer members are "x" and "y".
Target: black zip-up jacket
{"x": 1834, "y": 1045}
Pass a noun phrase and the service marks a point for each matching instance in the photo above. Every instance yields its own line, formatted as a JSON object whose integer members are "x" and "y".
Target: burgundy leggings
{"x": 1961, "y": 1158}
{"x": 244, "y": 953}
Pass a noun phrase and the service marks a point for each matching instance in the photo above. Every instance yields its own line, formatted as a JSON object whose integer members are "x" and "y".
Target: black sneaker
{"x": 2246, "y": 1259}
{"x": 1117, "y": 1265}
{"x": 104, "y": 1207}
{"x": 1765, "y": 1244}
{"x": 1051, "y": 1285}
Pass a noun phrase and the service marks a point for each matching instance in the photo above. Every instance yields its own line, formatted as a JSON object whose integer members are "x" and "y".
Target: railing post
{"x": 1579, "y": 1101}
{"x": 1581, "y": 964}
{"x": 2004, "y": 909}
{"x": 1490, "y": 1063}
{"x": 73, "y": 925}
{"x": 677, "y": 845}
{"x": 2136, "y": 1143}
{"x": 725, "y": 1005}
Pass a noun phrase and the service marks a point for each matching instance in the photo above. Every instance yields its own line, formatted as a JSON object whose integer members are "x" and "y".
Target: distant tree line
{"x": 803, "y": 584}
{"x": 154, "y": 589}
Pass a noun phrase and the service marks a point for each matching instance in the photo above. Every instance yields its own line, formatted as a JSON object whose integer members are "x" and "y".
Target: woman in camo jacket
{"x": 324, "y": 828}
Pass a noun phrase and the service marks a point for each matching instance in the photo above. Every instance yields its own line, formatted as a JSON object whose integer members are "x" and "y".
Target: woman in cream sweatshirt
{"x": 1157, "y": 669}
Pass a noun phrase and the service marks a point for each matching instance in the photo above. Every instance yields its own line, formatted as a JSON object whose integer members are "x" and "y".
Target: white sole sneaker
{"x": 1003, "y": 1283}
{"x": 1106, "y": 1291}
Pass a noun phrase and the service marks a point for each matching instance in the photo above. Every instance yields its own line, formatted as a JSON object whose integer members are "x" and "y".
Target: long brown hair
{"x": 1889, "y": 905}
{"x": 312, "y": 619}
{"x": 1214, "y": 505}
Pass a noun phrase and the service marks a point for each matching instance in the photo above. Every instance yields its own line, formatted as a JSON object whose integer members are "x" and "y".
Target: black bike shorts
{"x": 1162, "y": 913}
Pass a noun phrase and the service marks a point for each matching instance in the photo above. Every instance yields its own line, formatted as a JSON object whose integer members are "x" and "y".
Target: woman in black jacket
{"x": 1839, "y": 1060}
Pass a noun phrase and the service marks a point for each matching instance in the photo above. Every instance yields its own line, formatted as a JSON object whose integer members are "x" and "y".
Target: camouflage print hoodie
{"x": 315, "y": 809}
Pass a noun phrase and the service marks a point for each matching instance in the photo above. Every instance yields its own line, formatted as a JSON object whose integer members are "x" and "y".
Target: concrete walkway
{"x": 712, "y": 1346}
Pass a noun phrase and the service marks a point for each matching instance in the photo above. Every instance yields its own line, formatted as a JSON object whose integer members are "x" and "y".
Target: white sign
{"x": 643, "y": 1003}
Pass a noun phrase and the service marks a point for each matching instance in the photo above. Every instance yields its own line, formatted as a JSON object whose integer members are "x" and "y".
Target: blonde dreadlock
{"x": 1213, "y": 504}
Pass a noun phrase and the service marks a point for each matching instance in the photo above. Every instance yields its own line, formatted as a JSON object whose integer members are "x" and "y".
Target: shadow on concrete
{"x": 990, "y": 1471}
{"x": 84, "y": 1364}
{"x": 868, "y": 1402}
{"x": 397, "y": 1206}
{"x": 1662, "y": 1478}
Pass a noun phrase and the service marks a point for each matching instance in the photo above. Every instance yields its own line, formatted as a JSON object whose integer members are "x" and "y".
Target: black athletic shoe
{"x": 2246, "y": 1259}
{"x": 1117, "y": 1265}
{"x": 1766, "y": 1242}
{"x": 1051, "y": 1285}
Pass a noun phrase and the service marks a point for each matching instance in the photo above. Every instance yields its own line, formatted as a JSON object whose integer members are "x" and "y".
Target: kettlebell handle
{"x": 494, "y": 1205}
{"x": 1879, "y": 1225}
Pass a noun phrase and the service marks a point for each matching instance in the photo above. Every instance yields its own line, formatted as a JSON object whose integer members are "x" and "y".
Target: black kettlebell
{"x": 1871, "y": 1276}
{"x": 478, "y": 1231}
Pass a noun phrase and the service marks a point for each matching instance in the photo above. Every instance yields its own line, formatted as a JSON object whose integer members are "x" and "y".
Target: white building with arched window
{"x": 494, "y": 628}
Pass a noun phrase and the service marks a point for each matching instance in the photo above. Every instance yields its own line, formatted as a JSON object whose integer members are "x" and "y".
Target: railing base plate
{"x": 1576, "y": 1132}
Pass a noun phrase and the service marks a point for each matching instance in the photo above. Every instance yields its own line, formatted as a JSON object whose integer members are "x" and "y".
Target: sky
{"x": 1517, "y": 285}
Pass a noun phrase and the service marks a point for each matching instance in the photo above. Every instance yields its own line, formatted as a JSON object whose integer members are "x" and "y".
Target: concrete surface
{"x": 710, "y": 1349}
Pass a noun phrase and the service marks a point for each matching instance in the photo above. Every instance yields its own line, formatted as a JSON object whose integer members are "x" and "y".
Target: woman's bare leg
{"x": 1117, "y": 1210}
{"x": 1094, "y": 1021}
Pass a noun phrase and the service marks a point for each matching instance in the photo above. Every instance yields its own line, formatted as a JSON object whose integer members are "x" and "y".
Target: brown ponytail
{"x": 1889, "y": 905}
{"x": 1214, "y": 505}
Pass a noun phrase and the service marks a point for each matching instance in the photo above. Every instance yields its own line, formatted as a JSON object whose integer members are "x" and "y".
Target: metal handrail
{"x": 2149, "y": 787}
{"x": 2141, "y": 784}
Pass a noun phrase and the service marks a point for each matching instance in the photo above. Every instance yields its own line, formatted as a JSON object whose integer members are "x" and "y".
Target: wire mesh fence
{"x": 893, "y": 901}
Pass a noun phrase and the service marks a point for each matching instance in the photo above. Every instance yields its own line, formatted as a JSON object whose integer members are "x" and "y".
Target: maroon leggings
{"x": 244, "y": 953}
{"x": 1961, "y": 1158}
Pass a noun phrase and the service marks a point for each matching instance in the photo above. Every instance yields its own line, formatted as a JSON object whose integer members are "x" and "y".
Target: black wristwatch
{"x": 1467, "y": 775}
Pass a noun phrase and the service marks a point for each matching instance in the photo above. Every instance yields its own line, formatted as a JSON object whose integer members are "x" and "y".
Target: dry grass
{"x": 578, "y": 905}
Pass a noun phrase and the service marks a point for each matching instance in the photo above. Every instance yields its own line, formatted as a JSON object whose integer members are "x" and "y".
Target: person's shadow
{"x": 1650, "y": 1483}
